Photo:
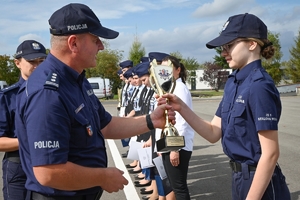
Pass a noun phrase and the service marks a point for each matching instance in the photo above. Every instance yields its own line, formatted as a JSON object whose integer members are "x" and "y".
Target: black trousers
{"x": 178, "y": 175}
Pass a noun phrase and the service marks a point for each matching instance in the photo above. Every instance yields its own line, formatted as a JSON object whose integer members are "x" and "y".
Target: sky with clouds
{"x": 165, "y": 26}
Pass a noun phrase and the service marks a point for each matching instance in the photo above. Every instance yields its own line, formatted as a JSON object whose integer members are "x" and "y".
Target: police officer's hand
{"x": 115, "y": 180}
{"x": 158, "y": 116}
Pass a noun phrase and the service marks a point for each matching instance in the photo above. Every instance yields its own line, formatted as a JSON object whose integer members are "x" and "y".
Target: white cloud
{"x": 176, "y": 30}
{"x": 219, "y": 7}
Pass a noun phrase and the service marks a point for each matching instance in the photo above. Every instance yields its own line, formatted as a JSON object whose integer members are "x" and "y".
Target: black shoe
{"x": 129, "y": 166}
{"x": 143, "y": 185}
{"x": 134, "y": 172}
{"x": 146, "y": 192}
{"x": 136, "y": 177}
{"x": 124, "y": 155}
{"x": 136, "y": 182}
{"x": 145, "y": 197}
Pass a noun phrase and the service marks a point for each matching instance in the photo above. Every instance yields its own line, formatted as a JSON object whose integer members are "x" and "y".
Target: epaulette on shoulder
{"x": 52, "y": 81}
{"x": 10, "y": 88}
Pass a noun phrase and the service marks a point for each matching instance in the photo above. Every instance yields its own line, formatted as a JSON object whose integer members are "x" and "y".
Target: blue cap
{"x": 128, "y": 73}
{"x": 78, "y": 18}
{"x": 157, "y": 55}
{"x": 240, "y": 26}
{"x": 30, "y": 50}
{"x": 141, "y": 69}
{"x": 119, "y": 72}
{"x": 126, "y": 63}
{"x": 144, "y": 59}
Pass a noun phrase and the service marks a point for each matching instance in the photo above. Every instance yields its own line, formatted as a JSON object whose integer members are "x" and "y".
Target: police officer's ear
{"x": 73, "y": 43}
{"x": 17, "y": 62}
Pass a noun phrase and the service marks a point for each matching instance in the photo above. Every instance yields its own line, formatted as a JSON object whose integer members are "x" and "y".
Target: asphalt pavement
{"x": 209, "y": 176}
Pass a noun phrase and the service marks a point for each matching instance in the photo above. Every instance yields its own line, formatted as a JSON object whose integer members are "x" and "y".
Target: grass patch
{"x": 206, "y": 93}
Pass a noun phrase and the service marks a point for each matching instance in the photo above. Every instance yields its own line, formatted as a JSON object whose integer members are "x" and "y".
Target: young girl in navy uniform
{"x": 248, "y": 115}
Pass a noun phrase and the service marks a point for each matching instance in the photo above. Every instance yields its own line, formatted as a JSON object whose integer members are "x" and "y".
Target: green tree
{"x": 107, "y": 66}
{"x": 214, "y": 75}
{"x": 8, "y": 70}
{"x": 220, "y": 60}
{"x": 293, "y": 65}
{"x": 177, "y": 54}
{"x": 191, "y": 64}
{"x": 273, "y": 65}
{"x": 136, "y": 52}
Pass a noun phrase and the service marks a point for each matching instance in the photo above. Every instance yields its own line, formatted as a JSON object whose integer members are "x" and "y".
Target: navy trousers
{"x": 14, "y": 179}
{"x": 276, "y": 190}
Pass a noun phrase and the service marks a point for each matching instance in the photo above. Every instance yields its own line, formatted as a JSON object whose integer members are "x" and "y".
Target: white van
{"x": 3, "y": 84}
{"x": 101, "y": 87}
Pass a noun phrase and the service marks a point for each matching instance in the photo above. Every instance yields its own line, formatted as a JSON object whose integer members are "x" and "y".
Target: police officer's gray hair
{"x": 58, "y": 42}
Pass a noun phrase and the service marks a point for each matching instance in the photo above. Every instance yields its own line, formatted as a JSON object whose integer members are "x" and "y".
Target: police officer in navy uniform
{"x": 248, "y": 115}
{"x": 29, "y": 55}
{"x": 61, "y": 125}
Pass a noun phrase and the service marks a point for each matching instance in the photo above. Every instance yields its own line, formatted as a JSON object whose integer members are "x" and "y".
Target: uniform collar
{"x": 65, "y": 70}
{"x": 21, "y": 81}
{"x": 241, "y": 75}
{"x": 179, "y": 80}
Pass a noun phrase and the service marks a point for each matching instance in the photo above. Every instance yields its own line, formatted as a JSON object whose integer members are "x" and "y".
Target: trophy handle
{"x": 151, "y": 80}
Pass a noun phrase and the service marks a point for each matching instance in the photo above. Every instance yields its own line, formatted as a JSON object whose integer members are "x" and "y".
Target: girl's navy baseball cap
{"x": 30, "y": 50}
{"x": 78, "y": 18}
{"x": 240, "y": 26}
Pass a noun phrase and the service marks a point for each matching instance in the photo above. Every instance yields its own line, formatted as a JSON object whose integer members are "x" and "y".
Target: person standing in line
{"x": 120, "y": 75}
{"x": 29, "y": 55}
{"x": 60, "y": 123}
{"x": 160, "y": 188}
{"x": 125, "y": 65}
{"x": 176, "y": 163}
{"x": 248, "y": 115}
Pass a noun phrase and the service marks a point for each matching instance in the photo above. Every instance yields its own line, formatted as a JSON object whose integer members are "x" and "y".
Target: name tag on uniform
{"x": 79, "y": 108}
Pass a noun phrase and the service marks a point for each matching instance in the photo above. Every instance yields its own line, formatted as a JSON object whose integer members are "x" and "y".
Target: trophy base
{"x": 170, "y": 143}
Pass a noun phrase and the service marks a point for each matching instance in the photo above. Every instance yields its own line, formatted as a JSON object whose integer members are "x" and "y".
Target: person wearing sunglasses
{"x": 247, "y": 117}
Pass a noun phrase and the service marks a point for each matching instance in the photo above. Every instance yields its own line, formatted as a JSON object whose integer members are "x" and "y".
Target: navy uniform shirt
{"x": 251, "y": 103}
{"x": 59, "y": 120}
{"x": 7, "y": 111}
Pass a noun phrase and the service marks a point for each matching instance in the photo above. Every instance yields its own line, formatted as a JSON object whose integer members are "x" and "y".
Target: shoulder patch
{"x": 52, "y": 81}
{"x": 10, "y": 88}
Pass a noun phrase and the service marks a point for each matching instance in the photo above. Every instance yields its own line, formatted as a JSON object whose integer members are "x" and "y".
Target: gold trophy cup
{"x": 162, "y": 81}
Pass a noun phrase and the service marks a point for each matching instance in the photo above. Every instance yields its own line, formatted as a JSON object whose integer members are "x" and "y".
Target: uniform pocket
{"x": 79, "y": 133}
{"x": 225, "y": 112}
{"x": 239, "y": 119}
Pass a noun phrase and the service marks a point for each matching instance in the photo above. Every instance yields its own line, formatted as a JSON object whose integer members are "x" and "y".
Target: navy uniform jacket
{"x": 7, "y": 111}
{"x": 59, "y": 120}
{"x": 251, "y": 103}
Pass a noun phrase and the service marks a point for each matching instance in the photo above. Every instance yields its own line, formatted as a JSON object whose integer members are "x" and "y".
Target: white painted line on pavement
{"x": 129, "y": 190}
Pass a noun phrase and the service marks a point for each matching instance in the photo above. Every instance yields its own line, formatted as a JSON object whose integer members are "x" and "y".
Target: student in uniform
{"x": 125, "y": 65}
{"x": 29, "y": 55}
{"x": 248, "y": 115}
{"x": 60, "y": 123}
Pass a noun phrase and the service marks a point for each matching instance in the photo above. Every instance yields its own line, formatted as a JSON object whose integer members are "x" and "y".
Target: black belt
{"x": 13, "y": 156}
{"x": 38, "y": 196}
{"x": 237, "y": 167}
